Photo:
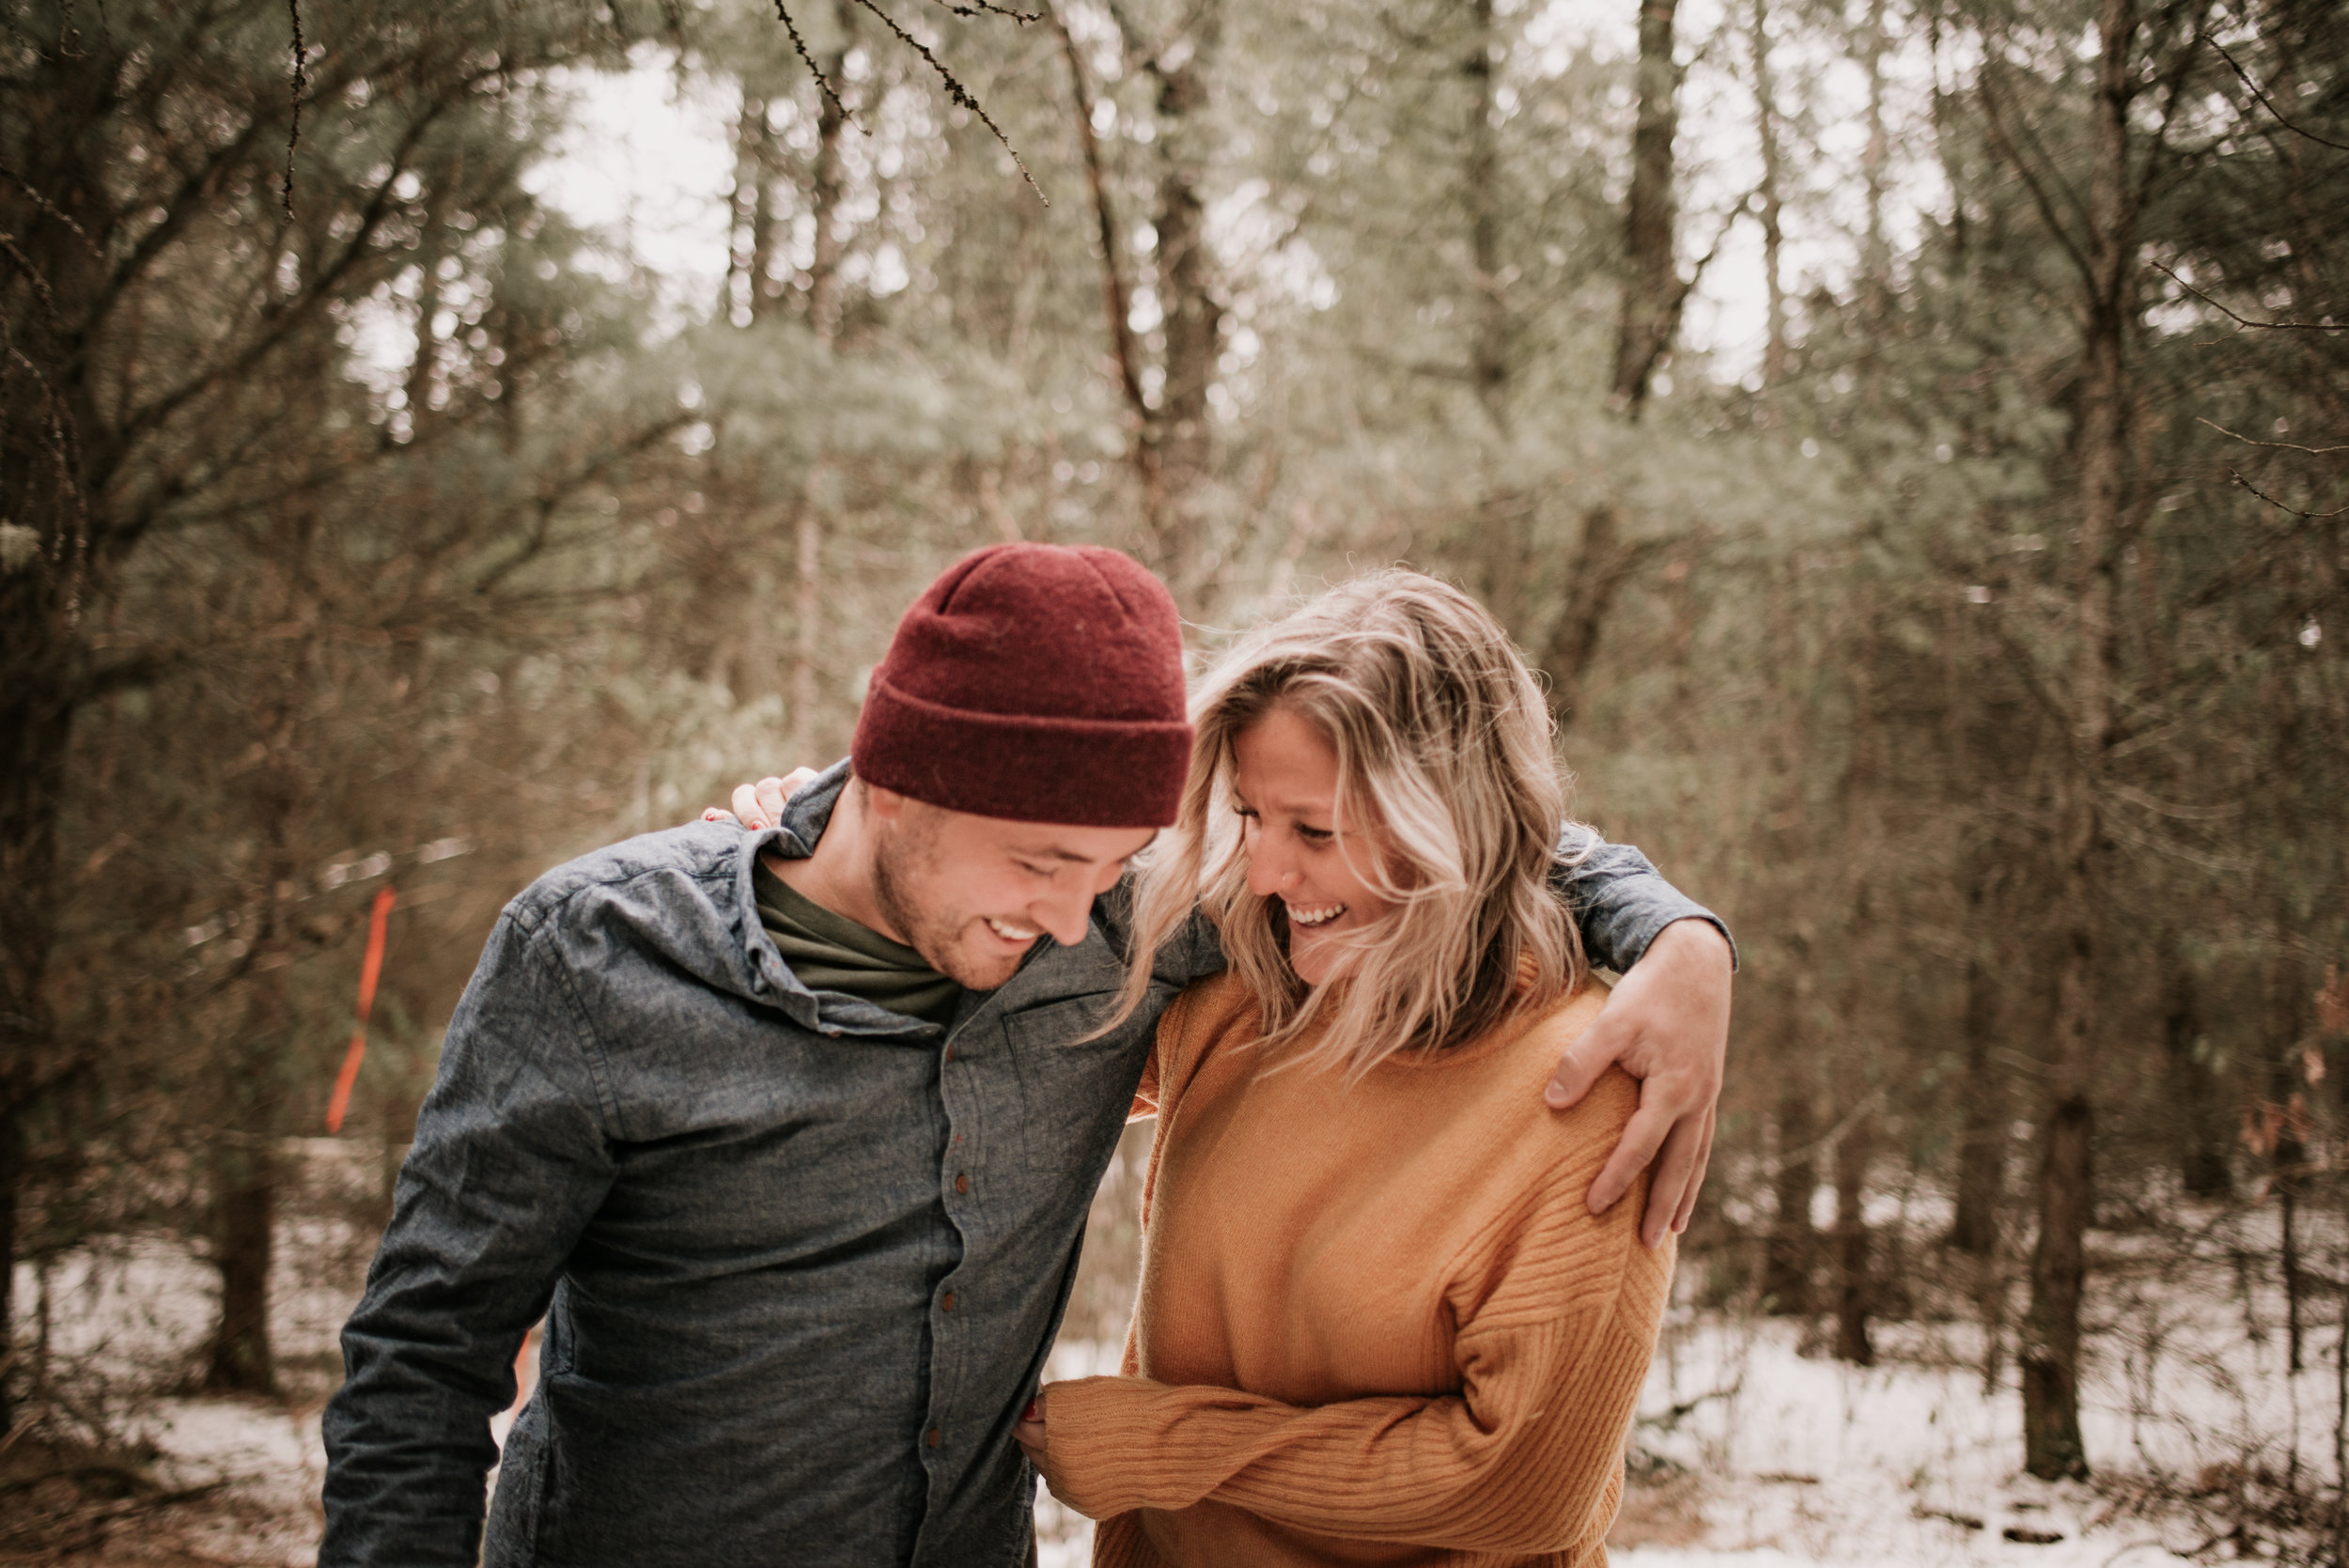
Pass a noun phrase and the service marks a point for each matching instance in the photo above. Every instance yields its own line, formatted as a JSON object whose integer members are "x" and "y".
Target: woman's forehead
{"x": 1284, "y": 762}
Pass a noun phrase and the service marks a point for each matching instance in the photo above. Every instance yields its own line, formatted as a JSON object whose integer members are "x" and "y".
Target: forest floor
{"x": 1751, "y": 1449}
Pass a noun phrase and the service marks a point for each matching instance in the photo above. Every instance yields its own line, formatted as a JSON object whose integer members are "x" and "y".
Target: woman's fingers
{"x": 760, "y": 805}
{"x": 772, "y": 793}
{"x": 1028, "y": 1432}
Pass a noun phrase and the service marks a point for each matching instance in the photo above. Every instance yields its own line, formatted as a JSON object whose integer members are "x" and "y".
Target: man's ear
{"x": 887, "y": 805}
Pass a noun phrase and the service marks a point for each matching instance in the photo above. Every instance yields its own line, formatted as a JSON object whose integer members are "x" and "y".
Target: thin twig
{"x": 2267, "y": 103}
{"x": 2278, "y": 445}
{"x": 823, "y": 83}
{"x": 52, "y": 209}
{"x": 33, "y": 275}
{"x": 301, "y": 85}
{"x": 2245, "y": 320}
{"x": 956, "y": 91}
{"x": 987, "y": 8}
{"x": 2309, "y": 516}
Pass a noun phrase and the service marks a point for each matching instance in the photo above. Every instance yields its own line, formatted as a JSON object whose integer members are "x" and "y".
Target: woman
{"x": 1376, "y": 1322}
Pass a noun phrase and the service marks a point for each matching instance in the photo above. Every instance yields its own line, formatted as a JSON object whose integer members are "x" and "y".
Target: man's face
{"x": 972, "y": 895}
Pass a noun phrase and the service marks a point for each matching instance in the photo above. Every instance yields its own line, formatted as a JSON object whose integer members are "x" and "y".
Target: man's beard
{"x": 900, "y": 862}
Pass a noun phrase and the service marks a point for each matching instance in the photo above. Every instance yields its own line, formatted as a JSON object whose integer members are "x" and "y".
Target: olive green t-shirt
{"x": 832, "y": 953}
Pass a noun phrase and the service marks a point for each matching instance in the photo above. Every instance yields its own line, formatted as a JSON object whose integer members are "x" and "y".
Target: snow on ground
{"x": 1748, "y": 1453}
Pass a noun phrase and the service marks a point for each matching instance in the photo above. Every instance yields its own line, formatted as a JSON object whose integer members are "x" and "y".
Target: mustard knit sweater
{"x": 1376, "y": 1323}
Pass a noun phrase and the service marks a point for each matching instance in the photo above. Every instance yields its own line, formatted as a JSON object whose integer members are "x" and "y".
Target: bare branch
{"x": 301, "y": 85}
{"x": 954, "y": 90}
{"x": 987, "y": 8}
{"x": 823, "y": 83}
{"x": 2245, "y": 320}
{"x": 2267, "y": 103}
{"x": 2278, "y": 445}
{"x": 2304, "y": 516}
{"x": 51, "y": 209}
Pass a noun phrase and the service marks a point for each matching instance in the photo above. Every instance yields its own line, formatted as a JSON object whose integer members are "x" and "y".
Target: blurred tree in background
{"x": 1972, "y": 638}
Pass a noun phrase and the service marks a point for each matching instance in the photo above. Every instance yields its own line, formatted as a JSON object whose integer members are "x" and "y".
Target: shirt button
{"x": 950, "y": 1053}
{"x": 949, "y": 1303}
{"x": 962, "y": 1184}
{"x": 932, "y": 1439}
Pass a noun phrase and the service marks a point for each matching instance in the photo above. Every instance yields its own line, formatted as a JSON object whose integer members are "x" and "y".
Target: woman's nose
{"x": 1267, "y": 874}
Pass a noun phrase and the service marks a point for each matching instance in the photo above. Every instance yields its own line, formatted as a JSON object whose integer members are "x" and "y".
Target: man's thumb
{"x": 1578, "y": 1068}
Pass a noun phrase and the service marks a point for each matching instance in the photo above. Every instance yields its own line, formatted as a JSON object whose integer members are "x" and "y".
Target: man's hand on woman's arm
{"x": 1666, "y": 1024}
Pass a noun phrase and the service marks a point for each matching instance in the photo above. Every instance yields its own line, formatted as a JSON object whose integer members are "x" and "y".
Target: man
{"x": 790, "y": 1135}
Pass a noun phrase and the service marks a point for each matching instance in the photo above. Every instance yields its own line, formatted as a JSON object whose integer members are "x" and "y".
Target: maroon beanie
{"x": 1041, "y": 683}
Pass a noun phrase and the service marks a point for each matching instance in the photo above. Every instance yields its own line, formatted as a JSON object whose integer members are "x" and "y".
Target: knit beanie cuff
{"x": 1085, "y": 772}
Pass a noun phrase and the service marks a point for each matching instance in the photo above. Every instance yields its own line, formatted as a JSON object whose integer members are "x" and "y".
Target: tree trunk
{"x": 1853, "y": 1293}
{"x": 2291, "y": 1164}
{"x": 430, "y": 236}
{"x": 2194, "y": 1087}
{"x": 1186, "y": 297}
{"x": 1488, "y": 349}
{"x": 2052, "y": 1450}
{"x": 1875, "y": 254}
{"x": 807, "y": 624}
{"x": 1126, "y": 353}
{"x": 1502, "y": 548}
{"x": 1652, "y": 288}
{"x": 1790, "y": 1256}
{"x": 11, "y": 1184}
{"x": 1981, "y": 1137}
{"x": 1602, "y": 565}
{"x": 56, "y": 455}
{"x": 245, "y": 1209}
{"x": 823, "y": 315}
{"x": 823, "y": 272}
{"x": 35, "y": 721}
{"x": 1773, "y": 198}
{"x": 753, "y": 236}
{"x": 2051, "y": 1328}
{"x": 2288, "y": 991}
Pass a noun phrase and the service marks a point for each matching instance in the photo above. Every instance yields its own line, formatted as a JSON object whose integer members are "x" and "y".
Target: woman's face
{"x": 1286, "y": 782}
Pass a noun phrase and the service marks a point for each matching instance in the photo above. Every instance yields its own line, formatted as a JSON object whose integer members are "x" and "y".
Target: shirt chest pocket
{"x": 1075, "y": 1090}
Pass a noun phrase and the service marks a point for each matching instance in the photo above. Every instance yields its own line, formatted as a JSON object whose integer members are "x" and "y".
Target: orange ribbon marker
{"x": 369, "y": 971}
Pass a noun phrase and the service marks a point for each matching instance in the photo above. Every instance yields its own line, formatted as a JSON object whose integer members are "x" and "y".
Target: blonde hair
{"x": 1451, "y": 801}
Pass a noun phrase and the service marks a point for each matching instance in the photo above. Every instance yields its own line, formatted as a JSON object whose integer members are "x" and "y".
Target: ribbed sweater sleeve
{"x": 1557, "y": 1314}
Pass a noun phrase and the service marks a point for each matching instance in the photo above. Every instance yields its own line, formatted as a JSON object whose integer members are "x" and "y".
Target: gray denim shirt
{"x": 800, "y": 1258}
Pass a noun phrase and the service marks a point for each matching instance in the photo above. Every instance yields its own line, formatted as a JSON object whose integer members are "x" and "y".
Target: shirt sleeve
{"x": 1620, "y": 900}
{"x": 1557, "y": 1327}
{"x": 511, "y": 1160}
